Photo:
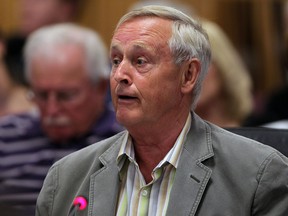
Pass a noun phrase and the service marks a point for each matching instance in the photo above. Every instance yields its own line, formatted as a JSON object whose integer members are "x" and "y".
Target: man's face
{"x": 145, "y": 82}
{"x": 69, "y": 103}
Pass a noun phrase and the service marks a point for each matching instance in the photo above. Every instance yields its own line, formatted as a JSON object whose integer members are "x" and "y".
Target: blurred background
{"x": 257, "y": 28}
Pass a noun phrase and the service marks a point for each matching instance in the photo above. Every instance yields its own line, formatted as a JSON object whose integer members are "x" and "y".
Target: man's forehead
{"x": 135, "y": 47}
{"x": 142, "y": 29}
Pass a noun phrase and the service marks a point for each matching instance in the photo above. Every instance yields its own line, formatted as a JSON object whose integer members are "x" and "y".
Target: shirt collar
{"x": 172, "y": 157}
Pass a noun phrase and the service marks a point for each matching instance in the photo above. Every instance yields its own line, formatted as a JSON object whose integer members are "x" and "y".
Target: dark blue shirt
{"x": 26, "y": 154}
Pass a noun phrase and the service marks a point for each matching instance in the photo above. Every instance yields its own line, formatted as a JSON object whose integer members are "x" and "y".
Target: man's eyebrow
{"x": 114, "y": 47}
{"x": 136, "y": 47}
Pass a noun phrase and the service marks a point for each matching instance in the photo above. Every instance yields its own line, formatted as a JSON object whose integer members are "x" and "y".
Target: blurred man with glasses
{"x": 68, "y": 71}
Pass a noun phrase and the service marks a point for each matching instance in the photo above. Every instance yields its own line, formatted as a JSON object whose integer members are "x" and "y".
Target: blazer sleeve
{"x": 271, "y": 197}
{"x": 45, "y": 199}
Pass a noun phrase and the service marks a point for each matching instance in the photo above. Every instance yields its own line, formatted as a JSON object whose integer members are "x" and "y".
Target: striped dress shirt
{"x": 138, "y": 198}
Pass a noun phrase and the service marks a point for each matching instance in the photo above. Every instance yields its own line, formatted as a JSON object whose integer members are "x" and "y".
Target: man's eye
{"x": 41, "y": 95}
{"x": 66, "y": 96}
{"x": 115, "y": 62}
{"x": 140, "y": 61}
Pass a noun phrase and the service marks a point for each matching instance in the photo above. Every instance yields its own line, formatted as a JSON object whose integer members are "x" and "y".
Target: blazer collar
{"x": 192, "y": 175}
{"x": 104, "y": 184}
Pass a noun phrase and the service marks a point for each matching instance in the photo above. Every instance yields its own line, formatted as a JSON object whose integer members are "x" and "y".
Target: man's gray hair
{"x": 47, "y": 39}
{"x": 188, "y": 40}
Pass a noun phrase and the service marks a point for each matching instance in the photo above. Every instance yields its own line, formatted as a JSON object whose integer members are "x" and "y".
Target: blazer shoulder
{"x": 235, "y": 144}
{"x": 92, "y": 153}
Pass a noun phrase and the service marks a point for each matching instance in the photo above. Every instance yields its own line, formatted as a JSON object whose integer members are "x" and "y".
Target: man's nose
{"x": 52, "y": 104}
{"x": 123, "y": 73}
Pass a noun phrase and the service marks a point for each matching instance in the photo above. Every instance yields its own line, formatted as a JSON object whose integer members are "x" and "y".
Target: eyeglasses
{"x": 64, "y": 97}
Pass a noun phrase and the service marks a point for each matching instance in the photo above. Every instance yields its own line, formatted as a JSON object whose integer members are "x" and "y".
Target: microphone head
{"x": 81, "y": 201}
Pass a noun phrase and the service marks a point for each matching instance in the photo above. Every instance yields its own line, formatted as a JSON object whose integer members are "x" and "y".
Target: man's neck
{"x": 152, "y": 146}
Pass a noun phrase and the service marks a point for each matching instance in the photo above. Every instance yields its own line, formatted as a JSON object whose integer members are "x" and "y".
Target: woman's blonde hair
{"x": 236, "y": 80}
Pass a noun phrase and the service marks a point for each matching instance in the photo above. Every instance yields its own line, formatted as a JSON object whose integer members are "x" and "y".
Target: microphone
{"x": 79, "y": 203}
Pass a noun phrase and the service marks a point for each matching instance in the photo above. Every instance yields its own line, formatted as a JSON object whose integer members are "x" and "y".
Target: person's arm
{"x": 271, "y": 197}
{"x": 45, "y": 199}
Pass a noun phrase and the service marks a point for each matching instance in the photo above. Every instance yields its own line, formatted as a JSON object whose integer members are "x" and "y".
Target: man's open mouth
{"x": 125, "y": 97}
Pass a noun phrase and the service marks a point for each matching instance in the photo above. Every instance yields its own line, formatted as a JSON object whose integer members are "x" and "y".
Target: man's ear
{"x": 190, "y": 75}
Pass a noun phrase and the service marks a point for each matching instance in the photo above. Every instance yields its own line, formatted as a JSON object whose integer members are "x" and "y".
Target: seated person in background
{"x": 169, "y": 161}
{"x": 13, "y": 97}
{"x": 34, "y": 14}
{"x": 68, "y": 70}
{"x": 226, "y": 98}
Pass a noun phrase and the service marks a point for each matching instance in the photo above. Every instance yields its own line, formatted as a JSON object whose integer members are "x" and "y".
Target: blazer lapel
{"x": 188, "y": 188}
{"x": 104, "y": 184}
{"x": 104, "y": 188}
{"x": 192, "y": 175}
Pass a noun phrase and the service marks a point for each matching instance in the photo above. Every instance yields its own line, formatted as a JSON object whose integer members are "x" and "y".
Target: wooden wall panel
{"x": 103, "y": 15}
{"x": 267, "y": 55}
{"x": 8, "y": 15}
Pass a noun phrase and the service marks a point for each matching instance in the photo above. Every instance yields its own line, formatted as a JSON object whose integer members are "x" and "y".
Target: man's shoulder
{"x": 104, "y": 151}
{"x": 219, "y": 141}
{"x": 232, "y": 144}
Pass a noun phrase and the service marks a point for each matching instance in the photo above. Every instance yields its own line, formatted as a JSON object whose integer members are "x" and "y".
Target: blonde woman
{"x": 226, "y": 97}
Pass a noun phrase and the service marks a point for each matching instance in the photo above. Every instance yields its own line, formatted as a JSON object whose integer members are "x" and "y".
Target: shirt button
{"x": 144, "y": 193}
